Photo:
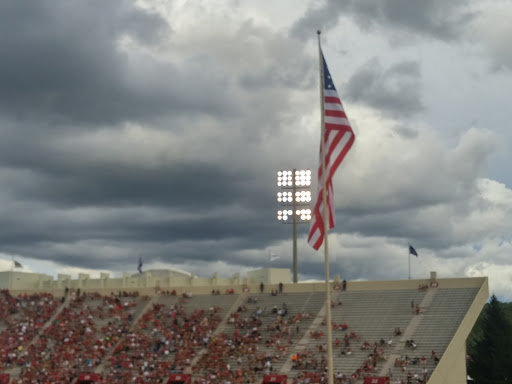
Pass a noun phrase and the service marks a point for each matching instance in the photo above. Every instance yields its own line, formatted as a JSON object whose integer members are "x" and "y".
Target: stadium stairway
{"x": 407, "y": 333}
{"x": 437, "y": 327}
{"x": 220, "y": 328}
{"x": 305, "y": 303}
{"x": 371, "y": 315}
{"x": 14, "y": 371}
{"x": 209, "y": 304}
{"x": 302, "y": 346}
{"x": 50, "y": 321}
{"x": 99, "y": 369}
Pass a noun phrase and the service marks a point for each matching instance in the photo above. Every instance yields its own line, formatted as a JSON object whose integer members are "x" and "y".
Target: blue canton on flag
{"x": 328, "y": 83}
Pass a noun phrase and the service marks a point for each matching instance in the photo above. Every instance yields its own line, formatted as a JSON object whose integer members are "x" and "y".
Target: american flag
{"x": 338, "y": 139}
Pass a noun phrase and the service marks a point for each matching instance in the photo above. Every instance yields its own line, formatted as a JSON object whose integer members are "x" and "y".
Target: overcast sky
{"x": 155, "y": 129}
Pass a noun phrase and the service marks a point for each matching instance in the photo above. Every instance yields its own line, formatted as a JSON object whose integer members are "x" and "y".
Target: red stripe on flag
{"x": 332, "y": 100}
{"x": 335, "y": 113}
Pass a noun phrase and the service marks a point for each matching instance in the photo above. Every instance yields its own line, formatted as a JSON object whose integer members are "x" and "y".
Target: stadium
{"x": 170, "y": 326}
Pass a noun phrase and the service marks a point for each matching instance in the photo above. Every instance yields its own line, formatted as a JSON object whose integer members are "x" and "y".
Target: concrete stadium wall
{"x": 269, "y": 276}
{"x": 464, "y": 282}
{"x": 15, "y": 280}
{"x": 21, "y": 282}
{"x": 452, "y": 367}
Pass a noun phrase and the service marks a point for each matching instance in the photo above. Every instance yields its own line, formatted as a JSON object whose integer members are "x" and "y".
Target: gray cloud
{"x": 395, "y": 90}
{"x": 492, "y": 30}
{"x": 65, "y": 63}
{"x": 406, "y": 132}
{"x": 434, "y": 18}
{"x": 109, "y": 152}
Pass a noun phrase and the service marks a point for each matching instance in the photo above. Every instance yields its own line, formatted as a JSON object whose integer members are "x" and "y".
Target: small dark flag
{"x": 17, "y": 265}
{"x": 412, "y": 251}
{"x": 139, "y": 268}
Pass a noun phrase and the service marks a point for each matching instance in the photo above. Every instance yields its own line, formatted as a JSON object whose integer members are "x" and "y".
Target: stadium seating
{"x": 236, "y": 337}
{"x": 22, "y": 317}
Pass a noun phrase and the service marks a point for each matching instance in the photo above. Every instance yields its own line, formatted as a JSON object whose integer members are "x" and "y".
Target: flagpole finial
{"x": 318, "y": 32}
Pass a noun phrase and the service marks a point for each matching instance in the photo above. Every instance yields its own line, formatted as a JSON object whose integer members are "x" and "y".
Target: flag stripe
{"x": 332, "y": 100}
{"x": 338, "y": 138}
{"x": 334, "y": 113}
{"x": 333, "y": 122}
{"x": 333, "y": 107}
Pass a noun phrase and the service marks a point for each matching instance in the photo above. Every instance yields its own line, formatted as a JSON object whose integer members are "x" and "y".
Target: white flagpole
{"x": 330, "y": 368}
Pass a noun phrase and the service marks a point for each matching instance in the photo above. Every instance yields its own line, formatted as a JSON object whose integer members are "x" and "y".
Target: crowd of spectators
{"x": 414, "y": 369}
{"x": 312, "y": 365}
{"x": 77, "y": 339}
{"x": 166, "y": 339}
{"x": 256, "y": 340}
{"x": 94, "y": 331}
{"x": 22, "y": 318}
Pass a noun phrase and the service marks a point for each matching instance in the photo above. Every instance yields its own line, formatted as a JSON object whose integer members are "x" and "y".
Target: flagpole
{"x": 330, "y": 379}
{"x": 409, "y": 256}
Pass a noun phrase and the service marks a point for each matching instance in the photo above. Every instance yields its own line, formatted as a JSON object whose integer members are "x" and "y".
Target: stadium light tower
{"x": 295, "y": 197}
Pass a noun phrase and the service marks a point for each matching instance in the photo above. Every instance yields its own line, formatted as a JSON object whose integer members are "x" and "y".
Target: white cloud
{"x": 493, "y": 30}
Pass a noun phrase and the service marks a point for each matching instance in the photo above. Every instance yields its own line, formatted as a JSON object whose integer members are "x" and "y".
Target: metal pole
{"x": 330, "y": 365}
{"x": 294, "y": 206}
{"x": 409, "y": 256}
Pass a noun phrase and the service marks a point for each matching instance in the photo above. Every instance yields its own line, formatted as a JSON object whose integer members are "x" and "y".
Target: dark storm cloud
{"x": 296, "y": 74}
{"x": 188, "y": 185}
{"x": 402, "y": 224}
{"x": 68, "y": 174}
{"x": 187, "y": 189}
{"x": 62, "y": 63}
{"x": 64, "y": 207}
{"x": 185, "y": 241}
{"x": 104, "y": 236}
{"x": 436, "y": 18}
{"x": 395, "y": 91}
{"x": 80, "y": 190}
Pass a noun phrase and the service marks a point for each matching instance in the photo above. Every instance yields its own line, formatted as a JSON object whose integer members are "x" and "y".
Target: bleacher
{"x": 236, "y": 337}
{"x": 437, "y": 325}
{"x": 303, "y": 305}
{"x": 372, "y": 316}
{"x": 22, "y": 318}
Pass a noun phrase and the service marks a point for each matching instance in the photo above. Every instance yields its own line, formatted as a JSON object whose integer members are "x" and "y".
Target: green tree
{"x": 490, "y": 351}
